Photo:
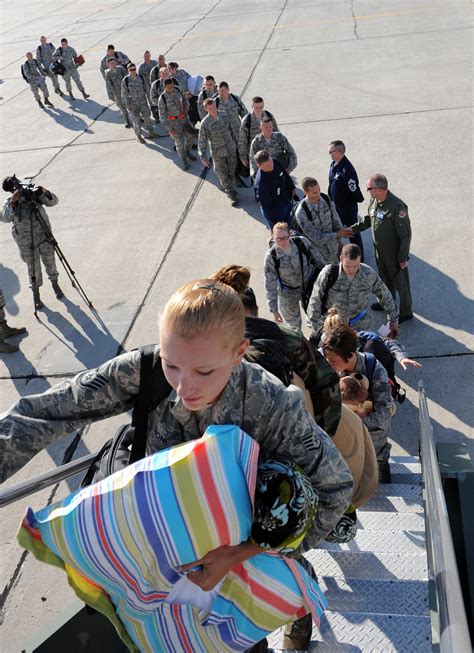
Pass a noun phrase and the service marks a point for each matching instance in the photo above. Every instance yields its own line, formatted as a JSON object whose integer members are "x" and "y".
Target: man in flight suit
{"x": 391, "y": 232}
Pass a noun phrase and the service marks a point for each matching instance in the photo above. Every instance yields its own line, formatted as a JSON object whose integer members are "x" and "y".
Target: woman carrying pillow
{"x": 202, "y": 344}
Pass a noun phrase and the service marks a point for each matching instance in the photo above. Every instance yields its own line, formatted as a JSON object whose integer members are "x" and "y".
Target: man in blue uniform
{"x": 274, "y": 189}
{"x": 344, "y": 188}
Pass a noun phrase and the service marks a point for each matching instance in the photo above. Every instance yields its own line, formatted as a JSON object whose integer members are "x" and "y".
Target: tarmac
{"x": 392, "y": 79}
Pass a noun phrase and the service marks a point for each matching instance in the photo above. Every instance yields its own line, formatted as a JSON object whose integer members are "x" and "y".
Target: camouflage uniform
{"x": 273, "y": 415}
{"x": 134, "y": 99}
{"x": 35, "y": 79}
{"x": 66, "y": 57}
{"x": 113, "y": 84}
{"x": 173, "y": 109}
{"x": 44, "y": 57}
{"x": 285, "y": 295}
{"x": 248, "y": 132}
{"x": 121, "y": 59}
{"x": 181, "y": 76}
{"x": 278, "y": 147}
{"x": 235, "y": 110}
{"x": 156, "y": 89}
{"x": 351, "y": 297}
{"x": 378, "y": 421}
{"x": 203, "y": 95}
{"x": 391, "y": 233}
{"x": 217, "y": 132}
{"x": 22, "y": 217}
{"x": 144, "y": 69}
{"x": 322, "y": 228}
{"x": 321, "y": 381}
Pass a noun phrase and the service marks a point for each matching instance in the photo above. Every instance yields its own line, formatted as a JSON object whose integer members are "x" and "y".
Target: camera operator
{"x": 31, "y": 230}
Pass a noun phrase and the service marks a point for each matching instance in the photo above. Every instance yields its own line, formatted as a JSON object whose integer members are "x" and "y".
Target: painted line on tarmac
{"x": 378, "y": 115}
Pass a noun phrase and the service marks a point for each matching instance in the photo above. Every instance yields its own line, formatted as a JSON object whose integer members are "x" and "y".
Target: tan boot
{"x": 297, "y": 635}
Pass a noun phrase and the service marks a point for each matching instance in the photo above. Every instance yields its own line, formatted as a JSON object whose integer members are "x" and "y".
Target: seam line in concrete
{"x": 68, "y": 375}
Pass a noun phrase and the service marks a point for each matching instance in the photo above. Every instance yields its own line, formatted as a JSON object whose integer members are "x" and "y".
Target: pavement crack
{"x": 354, "y": 18}
{"x": 263, "y": 50}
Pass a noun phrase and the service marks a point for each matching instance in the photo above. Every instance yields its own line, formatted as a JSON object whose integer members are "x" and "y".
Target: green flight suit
{"x": 391, "y": 233}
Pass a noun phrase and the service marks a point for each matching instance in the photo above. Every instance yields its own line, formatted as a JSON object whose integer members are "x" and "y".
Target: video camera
{"x": 30, "y": 192}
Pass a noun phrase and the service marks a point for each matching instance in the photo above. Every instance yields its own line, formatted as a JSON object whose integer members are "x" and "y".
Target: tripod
{"x": 49, "y": 238}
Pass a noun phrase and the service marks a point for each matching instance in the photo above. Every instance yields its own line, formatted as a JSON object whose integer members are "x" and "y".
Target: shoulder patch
{"x": 352, "y": 185}
{"x": 402, "y": 214}
{"x": 91, "y": 380}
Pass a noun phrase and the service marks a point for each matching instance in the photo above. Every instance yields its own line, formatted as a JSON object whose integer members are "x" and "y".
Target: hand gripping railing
{"x": 454, "y": 632}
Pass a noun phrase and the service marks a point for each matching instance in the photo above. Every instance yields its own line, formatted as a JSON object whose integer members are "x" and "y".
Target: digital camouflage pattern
{"x": 277, "y": 147}
{"x": 235, "y": 110}
{"x": 322, "y": 228}
{"x": 66, "y": 57}
{"x": 22, "y": 216}
{"x": 134, "y": 99}
{"x": 275, "y": 416}
{"x": 173, "y": 110}
{"x": 351, "y": 296}
{"x": 44, "y": 57}
{"x": 217, "y": 133}
{"x": 121, "y": 59}
{"x": 35, "y": 79}
{"x": 248, "y": 132}
{"x": 113, "y": 84}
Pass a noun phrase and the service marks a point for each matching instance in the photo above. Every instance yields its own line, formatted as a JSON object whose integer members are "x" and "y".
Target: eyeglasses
{"x": 279, "y": 238}
{"x": 132, "y": 70}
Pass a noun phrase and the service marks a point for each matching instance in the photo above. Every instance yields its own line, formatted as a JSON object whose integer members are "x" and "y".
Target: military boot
{"x": 141, "y": 140}
{"x": 128, "y": 125}
{"x": 85, "y": 95}
{"x": 57, "y": 289}
{"x": 40, "y": 104}
{"x": 7, "y": 331}
{"x": 37, "y": 299}
{"x": 385, "y": 475}
{"x": 6, "y": 348}
{"x": 297, "y": 636}
{"x": 48, "y": 103}
{"x": 191, "y": 156}
{"x": 184, "y": 164}
{"x": 71, "y": 96}
{"x": 59, "y": 92}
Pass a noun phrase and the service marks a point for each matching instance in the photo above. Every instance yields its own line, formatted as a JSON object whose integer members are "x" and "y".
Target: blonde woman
{"x": 202, "y": 345}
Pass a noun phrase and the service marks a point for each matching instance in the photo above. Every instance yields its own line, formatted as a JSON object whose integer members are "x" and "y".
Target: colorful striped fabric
{"x": 121, "y": 540}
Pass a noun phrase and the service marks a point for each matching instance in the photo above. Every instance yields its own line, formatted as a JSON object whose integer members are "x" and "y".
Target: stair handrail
{"x": 454, "y": 631}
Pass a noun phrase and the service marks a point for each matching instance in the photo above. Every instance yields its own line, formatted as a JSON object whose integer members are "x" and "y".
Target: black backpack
{"x": 129, "y": 443}
{"x": 234, "y": 97}
{"x": 268, "y": 348}
{"x": 23, "y": 74}
{"x": 372, "y": 343}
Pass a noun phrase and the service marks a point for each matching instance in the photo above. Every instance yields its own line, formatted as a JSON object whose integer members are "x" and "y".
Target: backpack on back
{"x": 372, "y": 343}
{"x": 268, "y": 348}
{"x": 129, "y": 443}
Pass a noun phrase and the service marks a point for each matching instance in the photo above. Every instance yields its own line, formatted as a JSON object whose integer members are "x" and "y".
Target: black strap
{"x": 332, "y": 278}
{"x": 150, "y": 377}
{"x": 306, "y": 208}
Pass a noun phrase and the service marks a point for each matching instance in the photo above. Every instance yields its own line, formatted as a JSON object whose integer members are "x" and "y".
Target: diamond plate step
{"x": 404, "y": 460}
{"x": 387, "y": 521}
{"x": 354, "y": 632}
{"x": 407, "y": 542}
{"x": 406, "y": 479}
{"x": 393, "y": 503}
{"x": 376, "y": 596}
{"x": 383, "y": 566}
{"x": 396, "y": 490}
{"x": 405, "y": 468}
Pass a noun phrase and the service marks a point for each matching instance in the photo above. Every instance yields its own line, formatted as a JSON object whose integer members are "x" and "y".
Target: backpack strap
{"x": 305, "y": 206}
{"x": 332, "y": 278}
{"x": 276, "y": 262}
{"x": 143, "y": 402}
{"x": 327, "y": 200}
{"x": 370, "y": 362}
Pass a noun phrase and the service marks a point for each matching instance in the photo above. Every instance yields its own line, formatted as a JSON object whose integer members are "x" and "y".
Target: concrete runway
{"x": 392, "y": 79}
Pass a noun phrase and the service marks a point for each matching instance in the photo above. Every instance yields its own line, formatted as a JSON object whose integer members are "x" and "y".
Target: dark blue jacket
{"x": 344, "y": 189}
{"x": 274, "y": 191}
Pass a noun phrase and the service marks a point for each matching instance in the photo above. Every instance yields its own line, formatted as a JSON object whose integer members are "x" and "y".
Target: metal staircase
{"x": 377, "y": 585}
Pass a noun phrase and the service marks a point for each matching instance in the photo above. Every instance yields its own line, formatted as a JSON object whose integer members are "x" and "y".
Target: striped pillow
{"x": 121, "y": 540}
